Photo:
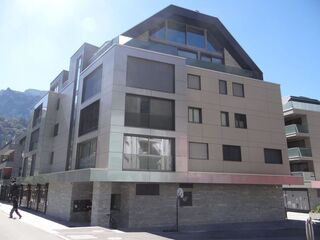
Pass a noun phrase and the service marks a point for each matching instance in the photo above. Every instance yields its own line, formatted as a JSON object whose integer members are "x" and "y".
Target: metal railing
{"x": 297, "y": 152}
{"x": 295, "y": 129}
{"x": 307, "y": 176}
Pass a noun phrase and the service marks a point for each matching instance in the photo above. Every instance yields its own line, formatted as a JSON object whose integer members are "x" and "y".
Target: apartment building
{"x": 172, "y": 102}
{"x": 302, "y": 124}
{"x": 10, "y": 163}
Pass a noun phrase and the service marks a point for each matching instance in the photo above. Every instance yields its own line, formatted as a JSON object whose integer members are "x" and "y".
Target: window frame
{"x": 226, "y": 87}
{"x": 56, "y": 130}
{"x": 237, "y": 121}
{"x": 224, "y": 146}
{"x": 272, "y": 149}
{"x": 81, "y": 120}
{"x": 86, "y": 80}
{"x": 207, "y": 152}
{"x": 188, "y": 80}
{"x": 233, "y": 91}
{"x": 227, "y": 119}
{"x": 193, "y": 110}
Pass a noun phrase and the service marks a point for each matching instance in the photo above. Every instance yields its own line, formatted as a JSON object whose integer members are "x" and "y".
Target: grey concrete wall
{"x": 81, "y": 191}
{"x": 101, "y": 200}
{"x": 59, "y": 200}
{"x": 211, "y": 204}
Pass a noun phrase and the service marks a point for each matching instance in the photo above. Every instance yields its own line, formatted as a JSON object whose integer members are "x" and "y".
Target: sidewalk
{"x": 34, "y": 220}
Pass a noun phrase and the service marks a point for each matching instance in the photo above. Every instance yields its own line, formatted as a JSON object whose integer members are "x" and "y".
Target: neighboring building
{"x": 10, "y": 163}
{"x": 302, "y": 120}
{"x": 174, "y": 101}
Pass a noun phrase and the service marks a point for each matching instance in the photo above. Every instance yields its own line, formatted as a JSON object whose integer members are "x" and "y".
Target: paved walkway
{"x": 284, "y": 230}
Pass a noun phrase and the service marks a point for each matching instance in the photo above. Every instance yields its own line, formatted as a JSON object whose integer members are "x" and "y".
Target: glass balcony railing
{"x": 295, "y": 129}
{"x": 302, "y": 106}
{"x": 148, "y": 162}
{"x": 298, "y": 152}
{"x": 307, "y": 176}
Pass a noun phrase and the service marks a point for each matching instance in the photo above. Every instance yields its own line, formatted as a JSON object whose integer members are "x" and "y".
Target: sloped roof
{"x": 210, "y": 23}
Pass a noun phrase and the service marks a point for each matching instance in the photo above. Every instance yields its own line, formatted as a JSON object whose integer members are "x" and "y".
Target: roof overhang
{"x": 204, "y": 21}
{"x": 105, "y": 175}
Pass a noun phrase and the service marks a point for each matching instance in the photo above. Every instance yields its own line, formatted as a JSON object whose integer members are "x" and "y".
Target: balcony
{"x": 302, "y": 106}
{"x": 296, "y": 131}
{"x": 298, "y": 153}
{"x": 307, "y": 176}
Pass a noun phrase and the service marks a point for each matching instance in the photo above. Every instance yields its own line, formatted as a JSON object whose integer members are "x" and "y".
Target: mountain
{"x": 15, "y": 108}
{"x": 15, "y": 104}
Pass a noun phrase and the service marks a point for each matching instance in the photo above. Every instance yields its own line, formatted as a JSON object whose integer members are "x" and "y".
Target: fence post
{"x": 309, "y": 229}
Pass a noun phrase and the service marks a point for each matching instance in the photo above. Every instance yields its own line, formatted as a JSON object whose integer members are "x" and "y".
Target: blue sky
{"x": 38, "y": 37}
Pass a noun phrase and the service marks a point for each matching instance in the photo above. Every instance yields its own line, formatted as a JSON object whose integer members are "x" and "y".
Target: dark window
{"x": 25, "y": 167}
{"x": 207, "y": 58}
{"x": 37, "y": 116}
{"x": 56, "y": 129}
{"x": 148, "y": 153}
{"x": 198, "y": 151}
{"x": 231, "y": 153}
{"x": 92, "y": 84}
{"x": 187, "y": 54}
{"x": 147, "y": 112}
{"x": 186, "y": 201}
{"x": 51, "y": 158}
{"x": 238, "y": 89}
{"x": 86, "y": 154}
{"x": 34, "y": 140}
{"x": 318, "y": 193}
{"x": 223, "y": 87}
{"x": 186, "y": 185}
{"x": 240, "y": 120}
{"x": 147, "y": 189}
{"x": 194, "y": 115}
{"x": 176, "y": 32}
{"x": 58, "y": 104}
{"x": 272, "y": 156}
{"x": 148, "y": 74}
{"x": 195, "y": 37}
{"x": 33, "y": 164}
{"x": 115, "y": 201}
{"x": 194, "y": 81}
{"x": 89, "y": 118}
{"x": 224, "y": 119}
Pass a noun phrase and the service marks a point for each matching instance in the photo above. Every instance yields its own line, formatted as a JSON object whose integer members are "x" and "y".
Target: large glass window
{"x": 147, "y": 112}
{"x": 231, "y": 153}
{"x": 187, "y": 54}
{"x": 198, "y": 151}
{"x": 148, "y": 153}
{"x": 147, "y": 74}
{"x": 194, "y": 81}
{"x": 240, "y": 120}
{"x": 273, "y": 156}
{"x": 89, "y": 118}
{"x": 159, "y": 32}
{"x": 86, "y": 154}
{"x": 37, "y": 116}
{"x": 33, "y": 164}
{"x": 34, "y": 140}
{"x": 92, "y": 84}
{"x": 195, "y": 37}
{"x": 176, "y": 32}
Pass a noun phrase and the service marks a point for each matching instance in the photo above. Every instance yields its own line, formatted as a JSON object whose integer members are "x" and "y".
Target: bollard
{"x": 309, "y": 229}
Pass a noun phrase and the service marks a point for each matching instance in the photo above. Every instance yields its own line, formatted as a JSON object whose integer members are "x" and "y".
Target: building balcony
{"x": 298, "y": 153}
{"x": 294, "y": 131}
{"x": 307, "y": 176}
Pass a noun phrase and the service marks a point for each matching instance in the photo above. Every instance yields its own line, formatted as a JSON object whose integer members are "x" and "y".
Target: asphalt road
{"x": 15, "y": 229}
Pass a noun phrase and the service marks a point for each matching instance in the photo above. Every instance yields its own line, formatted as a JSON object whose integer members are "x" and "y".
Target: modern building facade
{"x": 173, "y": 102}
{"x": 302, "y": 123}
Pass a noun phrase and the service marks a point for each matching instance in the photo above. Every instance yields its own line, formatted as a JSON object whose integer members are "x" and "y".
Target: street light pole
{"x": 179, "y": 195}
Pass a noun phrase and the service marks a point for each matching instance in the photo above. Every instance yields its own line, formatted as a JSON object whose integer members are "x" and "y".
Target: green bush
{"x": 317, "y": 209}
